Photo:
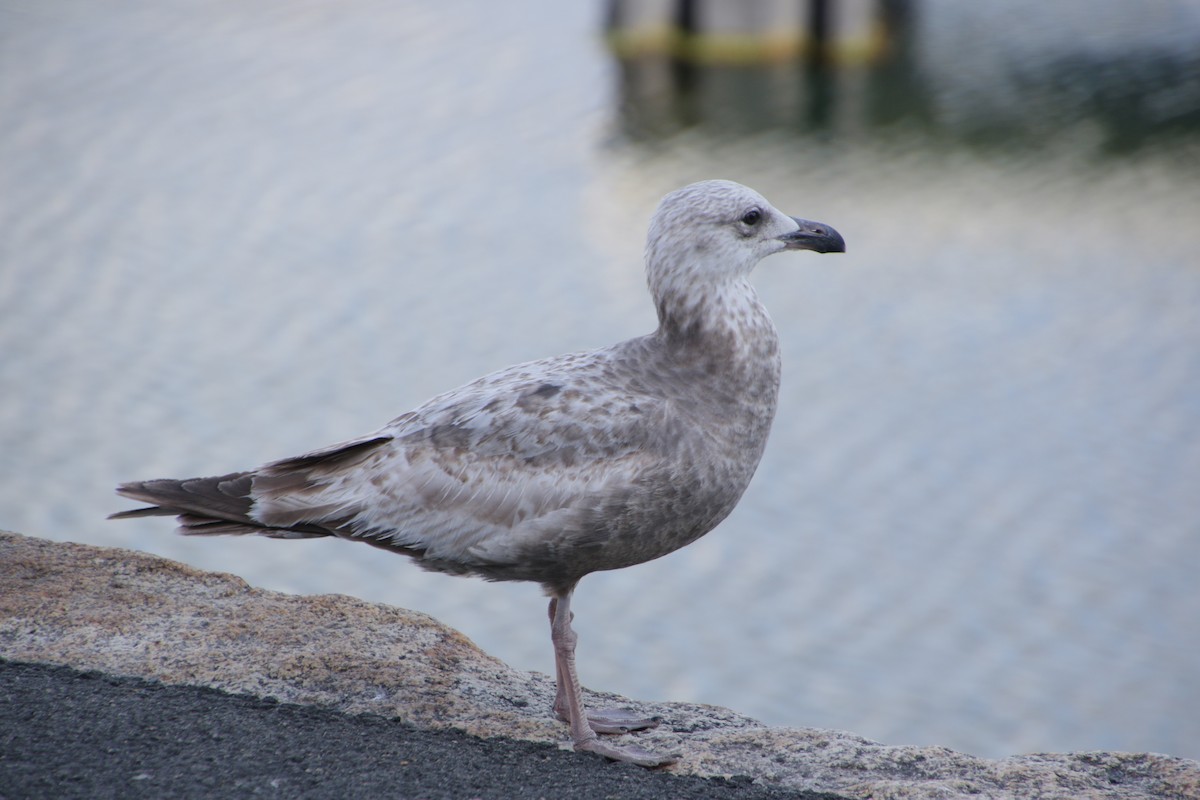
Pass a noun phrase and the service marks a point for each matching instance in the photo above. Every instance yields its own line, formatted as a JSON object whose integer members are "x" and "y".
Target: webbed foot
{"x": 631, "y": 754}
{"x": 615, "y": 720}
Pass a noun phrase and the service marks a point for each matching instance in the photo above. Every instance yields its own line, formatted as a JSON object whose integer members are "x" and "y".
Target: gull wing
{"x": 512, "y": 465}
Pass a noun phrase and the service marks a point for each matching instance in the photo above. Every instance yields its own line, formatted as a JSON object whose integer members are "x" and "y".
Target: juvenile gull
{"x": 550, "y": 470}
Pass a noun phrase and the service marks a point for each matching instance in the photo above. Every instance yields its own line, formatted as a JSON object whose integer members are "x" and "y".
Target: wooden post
{"x": 733, "y": 32}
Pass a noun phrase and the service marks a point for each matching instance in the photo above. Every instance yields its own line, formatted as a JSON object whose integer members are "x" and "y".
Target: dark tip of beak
{"x": 815, "y": 236}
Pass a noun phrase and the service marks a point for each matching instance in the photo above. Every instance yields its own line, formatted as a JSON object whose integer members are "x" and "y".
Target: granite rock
{"x": 130, "y": 613}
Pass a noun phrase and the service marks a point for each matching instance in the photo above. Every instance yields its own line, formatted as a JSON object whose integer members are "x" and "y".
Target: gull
{"x": 553, "y": 469}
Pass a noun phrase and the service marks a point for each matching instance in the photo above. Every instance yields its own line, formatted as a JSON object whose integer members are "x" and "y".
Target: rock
{"x": 129, "y": 613}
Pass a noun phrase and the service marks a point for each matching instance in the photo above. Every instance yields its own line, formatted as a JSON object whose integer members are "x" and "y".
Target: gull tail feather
{"x": 282, "y": 500}
{"x": 206, "y": 506}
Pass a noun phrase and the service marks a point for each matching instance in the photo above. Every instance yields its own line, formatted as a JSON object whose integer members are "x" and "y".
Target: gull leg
{"x": 601, "y": 720}
{"x": 568, "y": 701}
{"x": 561, "y": 708}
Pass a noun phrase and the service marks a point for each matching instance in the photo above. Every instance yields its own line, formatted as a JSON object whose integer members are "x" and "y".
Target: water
{"x": 233, "y": 233}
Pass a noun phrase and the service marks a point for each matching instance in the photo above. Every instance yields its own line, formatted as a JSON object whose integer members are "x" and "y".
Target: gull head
{"x": 712, "y": 231}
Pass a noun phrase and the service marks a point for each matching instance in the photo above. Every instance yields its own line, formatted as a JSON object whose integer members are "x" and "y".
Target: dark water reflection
{"x": 1133, "y": 97}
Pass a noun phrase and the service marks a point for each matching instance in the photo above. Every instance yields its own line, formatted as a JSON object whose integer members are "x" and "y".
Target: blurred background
{"x": 232, "y": 232}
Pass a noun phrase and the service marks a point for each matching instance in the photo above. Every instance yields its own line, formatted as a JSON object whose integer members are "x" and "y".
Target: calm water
{"x": 231, "y": 232}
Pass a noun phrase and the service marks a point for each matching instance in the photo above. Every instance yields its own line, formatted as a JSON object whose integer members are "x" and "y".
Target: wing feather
{"x": 480, "y": 475}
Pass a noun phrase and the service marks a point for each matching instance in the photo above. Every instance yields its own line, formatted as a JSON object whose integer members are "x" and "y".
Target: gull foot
{"x": 631, "y": 754}
{"x": 613, "y": 720}
{"x": 619, "y": 720}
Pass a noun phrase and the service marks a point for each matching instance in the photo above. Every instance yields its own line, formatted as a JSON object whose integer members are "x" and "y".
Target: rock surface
{"x": 129, "y": 613}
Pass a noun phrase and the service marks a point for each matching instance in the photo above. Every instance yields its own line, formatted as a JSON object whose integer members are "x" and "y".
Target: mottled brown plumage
{"x": 550, "y": 470}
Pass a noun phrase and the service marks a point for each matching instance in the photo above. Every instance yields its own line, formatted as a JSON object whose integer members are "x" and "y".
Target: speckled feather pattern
{"x": 552, "y": 469}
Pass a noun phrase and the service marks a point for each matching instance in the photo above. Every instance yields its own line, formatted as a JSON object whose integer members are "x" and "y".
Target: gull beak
{"x": 815, "y": 236}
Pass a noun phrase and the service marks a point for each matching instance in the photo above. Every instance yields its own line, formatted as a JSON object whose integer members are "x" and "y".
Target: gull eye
{"x": 752, "y": 217}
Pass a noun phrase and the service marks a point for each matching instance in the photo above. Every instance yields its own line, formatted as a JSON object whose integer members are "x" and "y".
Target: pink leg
{"x": 568, "y": 701}
{"x": 601, "y": 720}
